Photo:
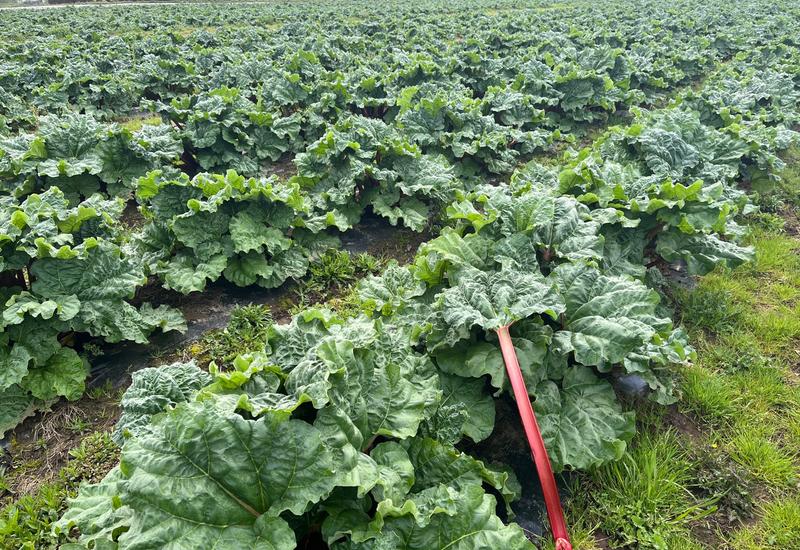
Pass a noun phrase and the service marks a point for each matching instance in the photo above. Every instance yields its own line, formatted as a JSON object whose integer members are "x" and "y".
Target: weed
{"x": 331, "y": 277}
{"x": 106, "y": 391}
{"x": 337, "y": 269}
{"x": 779, "y": 528}
{"x": 26, "y": 523}
{"x": 136, "y": 123}
{"x": 334, "y": 269}
{"x": 712, "y": 309}
{"x": 78, "y": 425}
{"x": 246, "y": 331}
{"x": 367, "y": 263}
{"x": 767, "y": 221}
{"x": 91, "y": 460}
{"x": 250, "y": 322}
{"x": 717, "y": 478}
{"x": 735, "y": 352}
{"x": 346, "y": 306}
{"x": 93, "y": 350}
{"x": 643, "y": 500}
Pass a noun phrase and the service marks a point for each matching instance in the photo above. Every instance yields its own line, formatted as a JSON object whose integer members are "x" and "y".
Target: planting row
{"x": 671, "y": 174}
{"x": 351, "y": 428}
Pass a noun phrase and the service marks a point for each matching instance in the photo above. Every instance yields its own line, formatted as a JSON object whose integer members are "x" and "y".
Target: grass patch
{"x": 776, "y": 327}
{"x": 792, "y": 428}
{"x": 731, "y": 353}
{"x": 580, "y": 524}
{"x": 134, "y": 124}
{"x": 764, "y": 389}
{"x": 644, "y": 499}
{"x": 711, "y": 307}
{"x": 762, "y": 458}
{"x": 26, "y": 522}
{"x": 776, "y": 254}
{"x": 708, "y": 395}
{"x": 779, "y": 527}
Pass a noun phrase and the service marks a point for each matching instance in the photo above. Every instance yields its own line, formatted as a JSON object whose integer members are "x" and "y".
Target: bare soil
{"x": 684, "y": 424}
{"x": 40, "y": 446}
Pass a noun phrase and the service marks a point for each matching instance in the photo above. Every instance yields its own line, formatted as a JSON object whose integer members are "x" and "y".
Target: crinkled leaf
{"x": 63, "y": 374}
{"x": 491, "y": 300}
{"x": 179, "y": 482}
{"x": 438, "y": 518}
{"x": 154, "y": 390}
{"x": 581, "y": 421}
{"x": 606, "y": 317}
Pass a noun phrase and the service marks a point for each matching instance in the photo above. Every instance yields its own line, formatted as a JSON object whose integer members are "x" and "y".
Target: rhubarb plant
{"x": 200, "y": 229}
{"x": 64, "y": 273}
{"x": 358, "y": 471}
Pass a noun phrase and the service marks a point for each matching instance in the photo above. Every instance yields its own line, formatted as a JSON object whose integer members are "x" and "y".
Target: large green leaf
{"x": 16, "y": 404}
{"x": 391, "y": 290}
{"x": 441, "y": 518}
{"x": 701, "y": 252}
{"x": 436, "y": 463}
{"x": 606, "y": 317}
{"x": 183, "y": 275}
{"x": 288, "y": 344}
{"x": 384, "y": 387}
{"x": 199, "y": 475}
{"x": 492, "y": 300}
{"x": 63, "y": 374}
{"x": 97, "y": 513}
{"x": 581, "y": 421}
{"x": 476, "y": 359}
{"x": 14, "y": 363}
{"x": 466, "y": 409}
{"x": 249, "y": 230}
{"x": 152, "y": 391}
{"x": 103, "y": 274}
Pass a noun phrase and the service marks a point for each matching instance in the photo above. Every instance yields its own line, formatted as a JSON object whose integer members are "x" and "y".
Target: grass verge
{"x": 721, "y": 469}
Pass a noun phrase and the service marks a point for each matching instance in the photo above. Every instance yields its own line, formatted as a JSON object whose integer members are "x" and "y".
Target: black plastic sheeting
{"x": 119, "y": 360}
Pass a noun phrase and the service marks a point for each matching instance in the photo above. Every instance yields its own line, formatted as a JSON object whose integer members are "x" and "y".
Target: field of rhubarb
{"x": 311, "y": 275}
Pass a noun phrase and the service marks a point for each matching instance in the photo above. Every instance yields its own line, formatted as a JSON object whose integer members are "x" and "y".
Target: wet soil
{"x": 684, "y": 424}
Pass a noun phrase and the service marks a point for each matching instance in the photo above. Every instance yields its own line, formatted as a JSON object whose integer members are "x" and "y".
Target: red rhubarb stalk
{"x": 551, "y": 499}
